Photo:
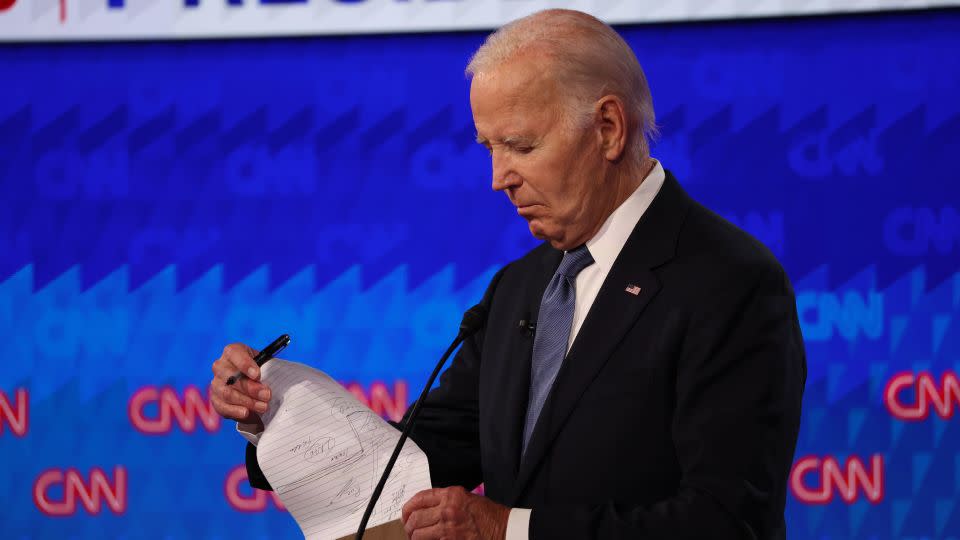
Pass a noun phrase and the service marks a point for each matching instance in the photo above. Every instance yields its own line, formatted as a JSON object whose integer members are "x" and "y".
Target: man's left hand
{"x": 453, "y": 513}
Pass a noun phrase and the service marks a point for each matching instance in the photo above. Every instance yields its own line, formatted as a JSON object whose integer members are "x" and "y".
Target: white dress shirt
{"x": 605, "y": 246}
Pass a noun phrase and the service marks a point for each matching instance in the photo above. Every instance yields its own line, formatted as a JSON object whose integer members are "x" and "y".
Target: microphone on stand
{"x": 473, "y": 320}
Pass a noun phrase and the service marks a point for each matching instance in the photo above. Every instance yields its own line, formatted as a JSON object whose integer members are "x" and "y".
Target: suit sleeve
{"x": 739, "y": 383}
{"x": 254, "y": 474}
{"x": 447, "y": 429}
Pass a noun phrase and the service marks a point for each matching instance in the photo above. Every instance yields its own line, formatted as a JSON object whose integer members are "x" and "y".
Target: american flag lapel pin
{"x": 633, "y": 289}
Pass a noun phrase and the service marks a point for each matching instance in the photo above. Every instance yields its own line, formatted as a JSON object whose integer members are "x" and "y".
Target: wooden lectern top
{"x": 392, "y": 530}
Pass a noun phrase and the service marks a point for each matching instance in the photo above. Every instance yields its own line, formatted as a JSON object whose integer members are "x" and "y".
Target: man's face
{"x": 551, "y": 172}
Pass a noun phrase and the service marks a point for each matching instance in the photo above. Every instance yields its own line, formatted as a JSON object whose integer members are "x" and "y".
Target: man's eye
{"x": 523, "y": 149}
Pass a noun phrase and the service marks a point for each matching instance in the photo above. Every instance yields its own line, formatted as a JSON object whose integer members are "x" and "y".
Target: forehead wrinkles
{"x": 514, "y": 96}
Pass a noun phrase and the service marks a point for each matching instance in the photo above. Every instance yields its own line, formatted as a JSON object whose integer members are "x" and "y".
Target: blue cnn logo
{"x": 850, "y": 314}
{"x": 922, "y": 231}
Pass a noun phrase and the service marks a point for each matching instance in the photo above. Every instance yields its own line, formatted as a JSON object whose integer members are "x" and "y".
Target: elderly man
{"x": 658, "y": 395}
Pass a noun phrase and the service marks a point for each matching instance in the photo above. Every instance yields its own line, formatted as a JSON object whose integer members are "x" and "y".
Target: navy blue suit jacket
{"x": 675, "y": 414}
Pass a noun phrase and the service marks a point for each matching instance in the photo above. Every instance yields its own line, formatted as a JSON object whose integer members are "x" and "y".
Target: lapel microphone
{"x": 473, "y": 320}
{"x": 527, "y": 327}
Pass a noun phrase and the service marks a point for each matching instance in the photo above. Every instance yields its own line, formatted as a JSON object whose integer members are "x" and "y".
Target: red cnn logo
{"x": 241, "y": 503}
{"x": 74, "y": 486}
{"x": 19, "y": 418}
{"x": 926, "y": 392}
{"x": 832, "y": 477}
{"x": 185, "y": 410}
{"x": 380, "y": 400}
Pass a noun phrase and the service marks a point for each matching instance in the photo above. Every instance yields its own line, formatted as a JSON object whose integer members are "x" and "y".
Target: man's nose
{"x": 503, "y": 175}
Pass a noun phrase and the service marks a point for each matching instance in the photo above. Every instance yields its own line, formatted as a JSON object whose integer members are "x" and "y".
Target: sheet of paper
{"x": 323, "y": 452}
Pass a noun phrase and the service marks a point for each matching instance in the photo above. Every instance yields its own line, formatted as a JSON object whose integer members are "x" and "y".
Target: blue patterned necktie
{"x": 553, "y": 332}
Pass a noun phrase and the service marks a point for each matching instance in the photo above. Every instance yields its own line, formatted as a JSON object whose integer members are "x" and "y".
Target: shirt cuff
{"x": 518, "y": 524}
{"x": 249, "y": 432}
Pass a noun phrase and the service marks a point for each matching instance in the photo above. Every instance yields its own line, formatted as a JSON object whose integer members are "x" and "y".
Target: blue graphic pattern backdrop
{"x": 159, "y": 200}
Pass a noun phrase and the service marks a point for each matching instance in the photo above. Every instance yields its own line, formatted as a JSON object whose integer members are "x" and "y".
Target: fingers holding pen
{"x": 246, "y": 398}
{"x": 240, "y": 358}
{"x": 237, "y": 359}
{"x": 237, "y": 396}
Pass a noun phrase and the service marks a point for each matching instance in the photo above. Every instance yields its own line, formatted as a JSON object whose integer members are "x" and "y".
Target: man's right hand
{"x": 247, "y": 398}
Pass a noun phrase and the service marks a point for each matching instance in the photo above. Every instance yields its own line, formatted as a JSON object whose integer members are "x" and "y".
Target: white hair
{"x": 585, "y": 55}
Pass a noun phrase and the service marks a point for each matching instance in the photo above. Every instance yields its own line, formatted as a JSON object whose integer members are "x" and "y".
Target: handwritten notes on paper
{"x": 323, "y": 452}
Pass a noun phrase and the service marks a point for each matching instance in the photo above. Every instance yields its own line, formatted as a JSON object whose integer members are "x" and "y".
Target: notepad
{"x": 323, "y": 451}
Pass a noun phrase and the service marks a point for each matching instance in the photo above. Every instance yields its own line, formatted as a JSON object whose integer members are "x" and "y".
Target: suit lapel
{"x": 614, "y": 311}
{"x": 516, "y": 380}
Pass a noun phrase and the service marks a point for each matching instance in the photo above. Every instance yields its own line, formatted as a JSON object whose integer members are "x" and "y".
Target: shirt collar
{"x": 605, "y": 246}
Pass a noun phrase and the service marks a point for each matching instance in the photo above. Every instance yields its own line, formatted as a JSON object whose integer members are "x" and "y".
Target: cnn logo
{"x": 89, "y": 492}
{"x": 257, "y": 502}
{"x": 927, "y": 393}
{"x": 848, "y": 480}
{"x": 191, "y": 409}
{"x": 381, "y": 400}
{"x": 15, "y": 412}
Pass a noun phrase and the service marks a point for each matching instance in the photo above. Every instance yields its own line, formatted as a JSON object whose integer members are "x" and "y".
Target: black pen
{"x": 267, "y": 353}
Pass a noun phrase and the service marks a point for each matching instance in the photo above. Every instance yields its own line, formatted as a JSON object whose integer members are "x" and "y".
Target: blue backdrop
{"x": 159, "y": 200}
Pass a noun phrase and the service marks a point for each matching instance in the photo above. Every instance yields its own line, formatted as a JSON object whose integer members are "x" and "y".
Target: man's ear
{"x": 612, "y": 128}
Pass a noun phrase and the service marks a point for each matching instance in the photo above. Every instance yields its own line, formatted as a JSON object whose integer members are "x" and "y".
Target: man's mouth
{"x": 526, "y": 210}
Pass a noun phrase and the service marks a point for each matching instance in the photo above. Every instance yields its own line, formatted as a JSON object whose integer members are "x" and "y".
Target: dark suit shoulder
{"x": 715, "y": 257}
{"x": 709, "y": 239}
